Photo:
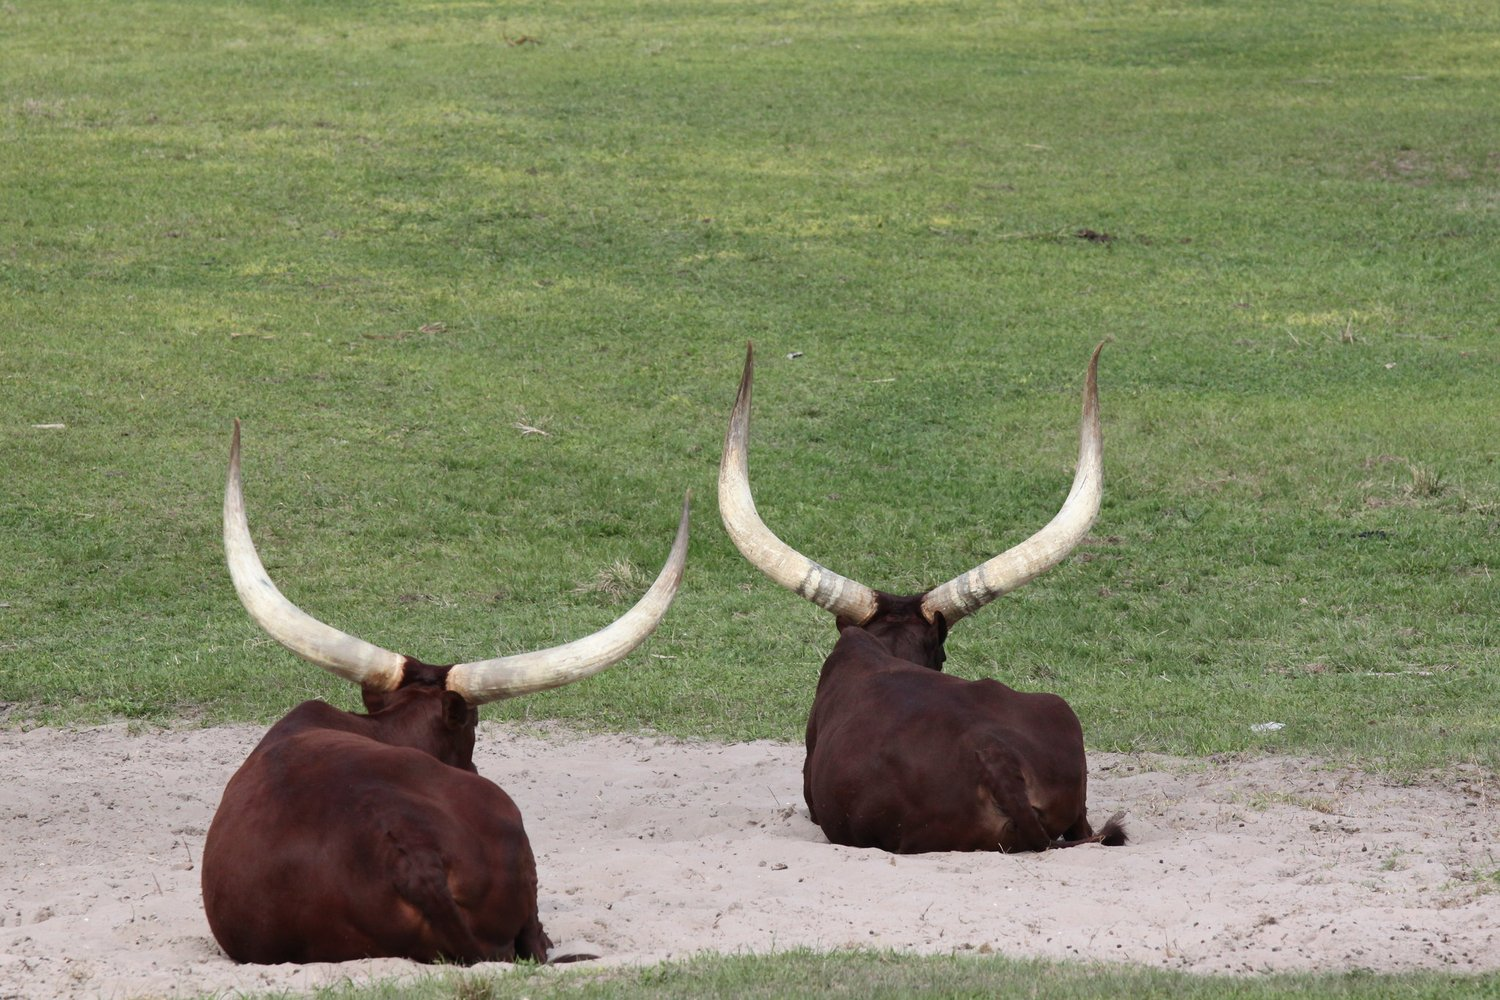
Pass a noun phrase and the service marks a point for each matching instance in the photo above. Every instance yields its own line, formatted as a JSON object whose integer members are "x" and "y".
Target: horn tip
{"x": 742, "y": 398}
{"x": 1091, "y": 381}
{"x": 234, "y": 447}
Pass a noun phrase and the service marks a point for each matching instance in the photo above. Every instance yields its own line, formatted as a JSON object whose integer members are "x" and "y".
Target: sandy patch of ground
{"x": 651, "y": 849}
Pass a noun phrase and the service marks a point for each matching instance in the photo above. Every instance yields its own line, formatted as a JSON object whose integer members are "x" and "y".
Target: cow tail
{"x": 421, "y": 878}
{"x": 1021, "y": 828}
{"x": 1026, "y": 833}
{"x": 534, "y": 944}
{"x": 1111, "y": 834}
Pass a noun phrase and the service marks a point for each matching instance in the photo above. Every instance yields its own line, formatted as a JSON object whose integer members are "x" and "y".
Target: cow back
{"x": 330, "y": 846}
{"x": 908, "y": 759}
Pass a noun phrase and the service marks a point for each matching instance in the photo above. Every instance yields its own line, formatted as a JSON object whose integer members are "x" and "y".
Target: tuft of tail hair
{"x": 1112, "y": 834}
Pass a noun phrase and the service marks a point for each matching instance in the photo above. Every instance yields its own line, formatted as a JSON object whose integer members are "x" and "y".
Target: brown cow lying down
{"x": 350, "y": 836}
{"x": 901, "y": 756}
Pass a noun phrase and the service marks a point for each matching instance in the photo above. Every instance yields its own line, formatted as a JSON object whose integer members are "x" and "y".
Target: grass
{"x": 478, "y": 281}
{"x": 481, "y": 305}
{"x": 886, "y": 975}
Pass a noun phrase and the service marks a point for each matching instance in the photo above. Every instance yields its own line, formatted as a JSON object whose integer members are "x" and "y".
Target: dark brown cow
{"x": 348, "y": 836}
{"x": 901, "y": 756}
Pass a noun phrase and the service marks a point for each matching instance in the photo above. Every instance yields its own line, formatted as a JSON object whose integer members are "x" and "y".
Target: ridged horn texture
{"x": 844, "y": 597}
{"x": 523, "y": 673}
{"x": 341, "y": 653}
{"x": 965, "y": 594}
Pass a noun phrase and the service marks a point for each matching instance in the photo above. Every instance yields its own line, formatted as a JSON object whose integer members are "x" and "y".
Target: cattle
{"x": 901, "y": 756}
{"x": 347, "y": 835}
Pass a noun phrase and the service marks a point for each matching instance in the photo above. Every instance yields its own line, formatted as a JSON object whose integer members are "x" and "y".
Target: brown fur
{"x": 348, "y": 836}
{"x": 903, "y": 757}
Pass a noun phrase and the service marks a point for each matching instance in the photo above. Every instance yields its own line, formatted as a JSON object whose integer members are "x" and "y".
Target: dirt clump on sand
{"x": 651, "y": 849}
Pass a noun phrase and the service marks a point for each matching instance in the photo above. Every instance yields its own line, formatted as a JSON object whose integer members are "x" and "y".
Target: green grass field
{"x": 888, "y": 976}
{"x": 478, "y": 280}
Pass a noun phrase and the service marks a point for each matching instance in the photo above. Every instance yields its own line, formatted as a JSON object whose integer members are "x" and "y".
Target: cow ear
{"x": 942, "y": 626}
{"x": 455, "y": 710}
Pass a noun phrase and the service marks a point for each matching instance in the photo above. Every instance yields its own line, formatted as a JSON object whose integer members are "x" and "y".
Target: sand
{"x": 651, "y": 849}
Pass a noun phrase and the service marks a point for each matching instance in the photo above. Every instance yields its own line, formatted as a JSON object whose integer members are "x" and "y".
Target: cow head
{"x": 420, "y": 704}
{"x": 912, "y": 627}
{"x": 426, "y": 717}
{"x": 904, "y": 629}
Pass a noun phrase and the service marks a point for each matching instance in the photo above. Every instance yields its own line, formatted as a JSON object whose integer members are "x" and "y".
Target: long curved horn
{"x": 767, "y": 553}
{"x": 511, "y": 676}
{"x": 965, "y": 594}
{"x": 343, "y": 654}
